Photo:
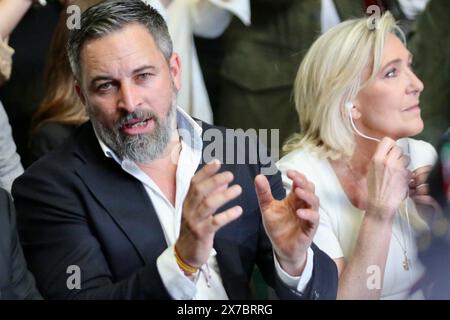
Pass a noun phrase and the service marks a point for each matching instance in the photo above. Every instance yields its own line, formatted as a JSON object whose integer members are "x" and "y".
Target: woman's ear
{"x": 352, "y": 110}
{"x": 355, "y": 113}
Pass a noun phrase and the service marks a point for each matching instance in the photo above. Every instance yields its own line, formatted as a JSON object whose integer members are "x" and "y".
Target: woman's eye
{"x": 391, "y": 73}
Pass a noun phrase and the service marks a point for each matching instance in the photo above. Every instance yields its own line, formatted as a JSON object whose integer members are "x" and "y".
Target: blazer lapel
{"x": 123, "y": 197}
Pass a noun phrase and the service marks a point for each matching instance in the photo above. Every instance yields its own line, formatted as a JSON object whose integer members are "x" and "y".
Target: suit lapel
{"x": 123, "y": 197}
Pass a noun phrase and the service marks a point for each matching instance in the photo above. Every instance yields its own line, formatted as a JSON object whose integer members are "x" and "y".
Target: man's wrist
{"x": 175, "y": 281}
{"x": 300, "y": 283}
{"x": 293, "y": 268}
{"x": 183, "y": 265}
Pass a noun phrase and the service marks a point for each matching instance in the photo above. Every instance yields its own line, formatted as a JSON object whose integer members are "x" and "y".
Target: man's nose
{"x": 128, "y": 98}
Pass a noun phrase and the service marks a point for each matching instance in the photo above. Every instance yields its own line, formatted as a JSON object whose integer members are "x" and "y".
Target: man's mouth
{"x": 137, "y": 126}
{"x": 136, "y": 123}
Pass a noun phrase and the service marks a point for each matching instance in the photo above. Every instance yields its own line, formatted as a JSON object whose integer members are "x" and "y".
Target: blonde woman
{"x": 356, "y": 95}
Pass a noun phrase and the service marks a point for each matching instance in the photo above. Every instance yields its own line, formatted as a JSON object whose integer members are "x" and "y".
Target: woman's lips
{"x": 414, "y": 108}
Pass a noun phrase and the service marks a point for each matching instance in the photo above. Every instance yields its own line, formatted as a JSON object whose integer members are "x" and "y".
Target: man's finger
{"x": 299, "y": 180}
{"x": 207, "y": 171}
{"x": 311, "y": 216}
{"x": 214, "y": 201}
{"x": 307, "y": 197}
{"x": 221, "y": 219}
{"x": 215, "y": 182}
{"x": 199, "y": 191}
{"x": 263, "y": 191}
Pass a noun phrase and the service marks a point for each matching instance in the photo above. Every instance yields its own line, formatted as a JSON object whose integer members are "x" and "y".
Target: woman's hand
{"x": 387, "y": 179}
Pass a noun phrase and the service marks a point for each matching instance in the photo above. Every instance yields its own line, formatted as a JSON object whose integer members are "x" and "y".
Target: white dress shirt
{"x": 177, "y": 284}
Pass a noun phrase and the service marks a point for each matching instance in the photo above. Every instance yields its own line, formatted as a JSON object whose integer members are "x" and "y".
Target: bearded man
{"x": 129, "y": 208}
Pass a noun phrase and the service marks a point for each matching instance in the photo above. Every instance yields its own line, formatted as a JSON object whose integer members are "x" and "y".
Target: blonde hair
{"x": 330, "y": 74}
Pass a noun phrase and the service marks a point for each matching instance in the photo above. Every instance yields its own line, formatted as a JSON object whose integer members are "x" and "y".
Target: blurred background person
{"x": 11, "y": 11}
{"x": 404, "y": 11}
{"x": 30, "y": 40}
{"x": 60, "y": 111}
{"x": 203, "y": 18}
{"x": 357, "y": 95}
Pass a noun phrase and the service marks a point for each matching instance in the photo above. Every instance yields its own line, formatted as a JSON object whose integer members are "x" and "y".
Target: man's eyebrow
{"x": 100, "y": 78}
{"x": 137, "y": 70}
{"x": 143, "y": 68}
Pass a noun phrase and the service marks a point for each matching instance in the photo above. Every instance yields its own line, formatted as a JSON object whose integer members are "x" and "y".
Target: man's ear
{"x": 80, "y": 93}
{"x": 175, "y": 70}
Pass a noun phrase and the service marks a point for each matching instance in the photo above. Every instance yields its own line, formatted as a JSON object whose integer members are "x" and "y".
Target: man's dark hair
{"x": 110, "y": 16}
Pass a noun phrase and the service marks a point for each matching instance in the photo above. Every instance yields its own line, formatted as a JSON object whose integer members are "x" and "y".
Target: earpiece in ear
{"x": 348, "y": 105}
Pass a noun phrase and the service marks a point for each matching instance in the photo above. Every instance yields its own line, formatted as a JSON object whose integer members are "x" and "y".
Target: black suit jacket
{"x": 16, "y": 282}
{"x": 78, "y": 207}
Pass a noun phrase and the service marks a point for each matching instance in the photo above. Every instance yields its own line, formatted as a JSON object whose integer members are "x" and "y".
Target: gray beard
{"x": 141, "y": 148}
